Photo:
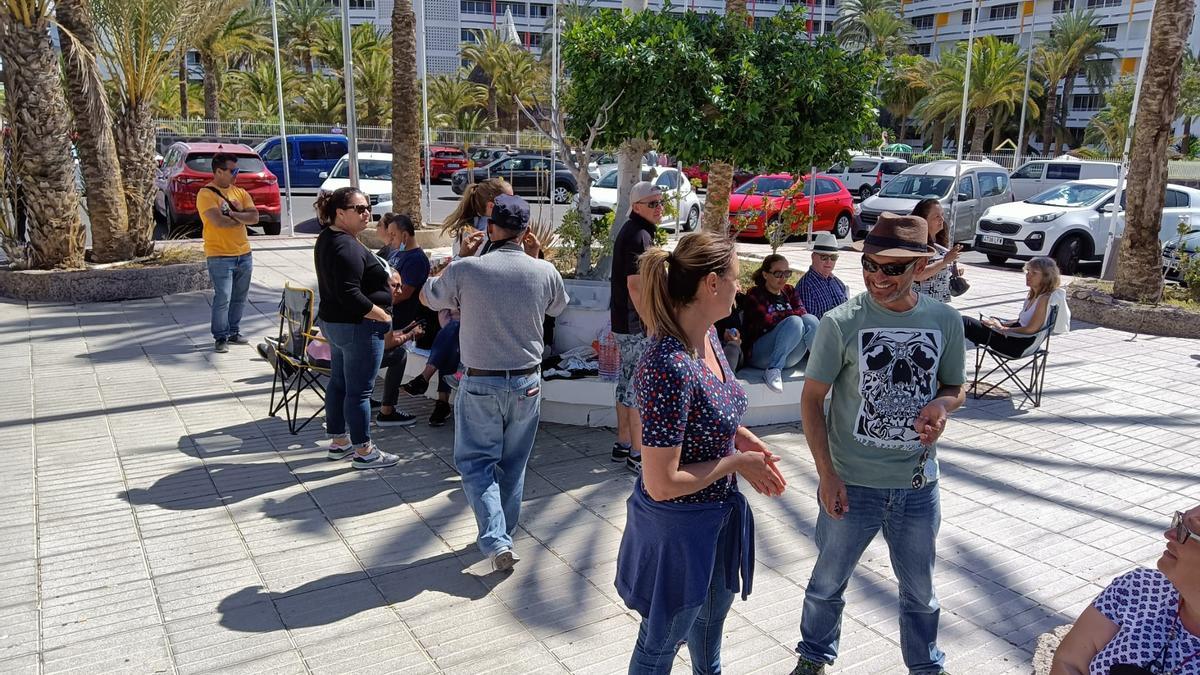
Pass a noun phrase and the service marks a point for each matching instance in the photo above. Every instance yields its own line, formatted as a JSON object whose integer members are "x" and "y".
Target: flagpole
{"x": 348, "y": 80}
{"x": 962, "y": 121}
{"x": 554, "y": 102}
{"x": 425, "y": 109}
{"x": 283, "y": 142}
{"x": 1025, "y": 96}
{"x": 812, "y": 174}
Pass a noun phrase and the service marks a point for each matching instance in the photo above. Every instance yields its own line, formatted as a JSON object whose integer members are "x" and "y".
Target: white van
{"x": 865, "y": 175}
{"x": 1037, "y": 176}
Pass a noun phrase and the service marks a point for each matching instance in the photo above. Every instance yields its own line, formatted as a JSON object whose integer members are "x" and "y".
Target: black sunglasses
{"x": 1182, "y": 532}
{"x": 359, "y": 208}
{"x": 782, "y": 274}
{"x": 654, "y": 204}
{"x": 890, "y": 269}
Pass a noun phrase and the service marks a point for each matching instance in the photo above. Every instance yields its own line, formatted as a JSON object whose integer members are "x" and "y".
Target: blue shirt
{"x": 413, "y": 266}
{"x": 819, "y": 294}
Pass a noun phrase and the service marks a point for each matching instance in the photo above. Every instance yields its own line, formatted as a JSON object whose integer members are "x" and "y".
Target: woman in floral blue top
{"x": 688, "y": 544}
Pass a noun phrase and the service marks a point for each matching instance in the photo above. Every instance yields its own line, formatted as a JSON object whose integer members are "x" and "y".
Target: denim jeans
{"x": 700, "y": 626}
{"x": 444, "y": 354}
{"x": 495, "y": 423}
{"x": 784, "y": 345}
{"x": 231, "y": 282}
{"x": 356, "y": 351}
{"x": 395, "y": 360}
{"x": 909, "y": 520}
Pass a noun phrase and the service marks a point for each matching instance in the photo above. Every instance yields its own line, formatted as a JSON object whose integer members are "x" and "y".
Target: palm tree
{"x": 1053, "y": 65}
{"x": 872, "y": 24}
{"x": 522, "y": 78}
{"x": 165, "y": 103}
{"x": 228, "y": 30}
{"x": 253, "y": 94}
{"x": 1109, "y": 127}
{"x": 406, "y": 116}
{"x": 41, "y": 129}
{"x": 904, "y": 85}
{"x": 97, "y": 148}
{"x": 323, "y": 101}
{"x": 487, "y": 53}
{"x": 1078, "y": 35}
{"x": 451, "y": 94}
{"x": 365, "y": 38}
{"x": 373, "y": 74}
{"x": 143, "y": 40}
{"x": 301, "y": 22}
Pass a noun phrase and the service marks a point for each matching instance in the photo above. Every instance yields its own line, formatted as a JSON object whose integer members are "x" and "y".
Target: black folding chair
{"x": 295, "y": 371}
{"x": 1027, "y": 371}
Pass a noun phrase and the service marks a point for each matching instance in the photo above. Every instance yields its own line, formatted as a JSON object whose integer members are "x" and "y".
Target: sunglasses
{"x": 654, "y": 204}
{"x": 359, "y": 208}
{"x": 234, "y": 171}
{"x": 889, "y": 269}
{"x": 782, "y": 274}
{"x": 827, "y": 257}
{"x": 1182, "y": 533}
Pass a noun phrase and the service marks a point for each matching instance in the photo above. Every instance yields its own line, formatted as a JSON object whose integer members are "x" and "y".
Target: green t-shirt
{"x": 884, "y": 367}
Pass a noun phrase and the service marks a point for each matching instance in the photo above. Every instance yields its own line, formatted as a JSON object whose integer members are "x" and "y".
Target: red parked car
{"x": 764, "y": 197}
{"x": 187, "y": 167}
{"x": 443, "y": 162}
{"x": 701, "y": 171}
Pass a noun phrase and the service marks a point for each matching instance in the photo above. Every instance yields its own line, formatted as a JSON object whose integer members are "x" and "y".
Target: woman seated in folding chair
{"x": 1011, "y": 338}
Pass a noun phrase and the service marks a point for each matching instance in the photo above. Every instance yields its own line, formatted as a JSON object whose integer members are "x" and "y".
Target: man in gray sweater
{"x": 504, "y": 296}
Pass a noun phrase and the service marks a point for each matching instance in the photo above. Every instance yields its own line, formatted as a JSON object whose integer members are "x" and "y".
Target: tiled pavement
{"x": 159, "y": 521}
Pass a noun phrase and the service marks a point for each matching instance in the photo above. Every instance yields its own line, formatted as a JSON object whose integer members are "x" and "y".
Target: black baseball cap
{"x": 510, "y": 212}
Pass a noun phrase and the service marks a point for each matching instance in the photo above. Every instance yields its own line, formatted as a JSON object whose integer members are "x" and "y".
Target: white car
{"x": 1036, "y": 176}
{"x": 374, "y": 178}
{"x": 675, "y": 188}
{"x": 864, "y": 175}
{"x": 601, "y": 164}
{"x": 1070, "y": 223}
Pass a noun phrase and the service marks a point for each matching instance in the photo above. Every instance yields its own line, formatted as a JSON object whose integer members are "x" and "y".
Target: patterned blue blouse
{"x": 683, "y": 403}
{"x": 1145, "y": 607}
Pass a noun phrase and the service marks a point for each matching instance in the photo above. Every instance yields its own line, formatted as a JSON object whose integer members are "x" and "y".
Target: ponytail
{"x": 328, "y": 203}
{"x": 670, "y": 280}
{"x": 473, "y": 204}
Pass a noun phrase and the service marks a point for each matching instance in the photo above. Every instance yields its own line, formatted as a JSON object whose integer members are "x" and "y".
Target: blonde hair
{"x": 1050, "y": 278}
{"x": 670, "y": 280}
{"x": 474, "y": 203}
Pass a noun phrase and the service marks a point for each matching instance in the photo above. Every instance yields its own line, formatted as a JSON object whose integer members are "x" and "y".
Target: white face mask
{"x": 402, "y": 247}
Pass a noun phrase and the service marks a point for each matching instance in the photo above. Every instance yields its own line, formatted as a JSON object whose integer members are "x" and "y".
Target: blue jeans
{"x": 909, "y": 520}
{"x": 700, "y": 626}
{"x": 357, "y": 349}
{"x": 444, "y": 354}
{"x": 231, "y": 282}
{"x": 784, "y": 345}
{"x": 495, "y": 423}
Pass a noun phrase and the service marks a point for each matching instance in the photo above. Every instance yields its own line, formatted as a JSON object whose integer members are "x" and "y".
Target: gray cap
{"x": 643, "y": 190}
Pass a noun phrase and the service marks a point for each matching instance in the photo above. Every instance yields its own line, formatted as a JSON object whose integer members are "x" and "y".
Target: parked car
{"x": 675, "y": 189}
{"x": 700, "y": 171}
{"x": 1070, "y": 223}
{"x": 601, "y": 164}
{"x": 485, "y": 156}
{"x": 764, "y": 197}
{"x": 1036, "y": 176}
{"x": 981, "y": 185}
{"x": 187, "y": 167}
{"x": 1175, "y": 248}
{"x": 865, "y": 175}
{"x": 530, "y": 175}
{"x": 374, "y": 178}
{"x": 309, "y": 155}
{"x": 444, "y": 160}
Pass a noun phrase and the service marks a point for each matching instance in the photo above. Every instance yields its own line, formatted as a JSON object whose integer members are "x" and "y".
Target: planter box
{"x": 585, "y": 316}
{"x": 103, "y": 285}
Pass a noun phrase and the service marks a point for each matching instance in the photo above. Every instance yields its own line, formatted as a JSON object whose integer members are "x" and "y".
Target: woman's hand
{"x": 952, "y": 255}
{"x": 759, "y": 468}
{"x": 377, "y": 313}
{"x": 471, "y": 242}
{"x": 731, "y": 335}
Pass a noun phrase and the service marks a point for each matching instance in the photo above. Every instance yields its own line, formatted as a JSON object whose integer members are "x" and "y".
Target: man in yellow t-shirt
{"x": 226, "y": 210}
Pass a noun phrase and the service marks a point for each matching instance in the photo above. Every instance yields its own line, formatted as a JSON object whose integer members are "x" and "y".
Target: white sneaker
{"x": 774, "y": 379}
{"x": 504, "y": 560}
{"x": 377, "y": 459}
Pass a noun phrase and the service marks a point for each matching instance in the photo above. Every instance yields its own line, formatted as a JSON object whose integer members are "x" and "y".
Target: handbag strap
{"x": 222, "y": 196}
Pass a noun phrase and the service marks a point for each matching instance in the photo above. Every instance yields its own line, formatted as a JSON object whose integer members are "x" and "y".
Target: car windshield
{"x": 770, "y": 186}
{"x": 609, "y": 180}
{"x": 202, "y": 162}
{"x": 914, "y": 186}
{"x": 1070, "y": 194}
{"x": 368, "y": 169}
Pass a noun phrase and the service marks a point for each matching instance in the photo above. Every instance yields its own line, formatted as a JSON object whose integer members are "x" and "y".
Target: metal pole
{"x": 1025, "y": 96}
{"x": 1108, "y": 268}
{"x": 812, "y": 174}
{"x": 283, "y": 142}
{"x": 962, "y": 121}
{"x": 554, "y": 102}
{"x": 425, "y": 110}
{"x": 348, "y": 78}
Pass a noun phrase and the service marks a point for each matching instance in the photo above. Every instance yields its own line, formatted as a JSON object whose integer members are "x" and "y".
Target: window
{"x": 321, "y": 150}
{"x": 514, "y": 164}
{"x": 1177, "y": 200}
{"x": 1006, "y": 38}
{"x": 1063, "y": 6}
{"x": 468, "y": 35}
{"x": 922, "y": 22}
{"x": 1057, "y": 171}
{"x": 355, "y": 4}
{"x": 827, "y": 187}
{"x": 533, "y": 40}
{"x": 922, "y": 49}
{"x": 517, "y": 8}
{"x": 1032, "y": 171}
{"x": 273, "y": 153}
{"x": 1087, "y": 102}
{"x": 893, "y": 168}
{"x": 966, "y": 189}
{"x": 992, "y": 184}
{"x": 668, "y": 181}
{"x": 1092, "y": 4}
{"x": 475, "y": 7}
{"x": 1003, "y": 12}
{"x": 539, "y": 11}
{"x": 864, "y": 166}
{"x": 1110, "y": 32}
{"x": 966, "y": 16}
{"x": 202, "y": 162}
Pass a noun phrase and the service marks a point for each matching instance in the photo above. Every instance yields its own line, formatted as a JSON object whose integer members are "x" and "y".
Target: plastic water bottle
{"x": 610, "y": 357}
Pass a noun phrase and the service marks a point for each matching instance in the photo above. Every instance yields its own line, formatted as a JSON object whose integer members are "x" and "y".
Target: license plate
{"x": 1171, "y": 264}
{"x": 452, "y": 166}
{"x": 991, "y": 239}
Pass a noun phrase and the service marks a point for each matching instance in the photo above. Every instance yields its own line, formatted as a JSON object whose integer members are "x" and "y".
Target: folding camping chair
{"x": 1034, "y": 364}
{"x": 295, "y": 370}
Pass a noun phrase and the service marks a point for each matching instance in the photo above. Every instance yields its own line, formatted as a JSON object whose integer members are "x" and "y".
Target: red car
{"x": 701, "y": 171}
{"x": 187, "y": 167}
{"x": 764, "y": 197}
{"x": 443, "y": 162}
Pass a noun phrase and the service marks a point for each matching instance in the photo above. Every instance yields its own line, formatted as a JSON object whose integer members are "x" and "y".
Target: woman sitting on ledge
{"x": 778, "y": 330}
{"x": 1012, "y": 338}
{"x": 1147, "y": 622}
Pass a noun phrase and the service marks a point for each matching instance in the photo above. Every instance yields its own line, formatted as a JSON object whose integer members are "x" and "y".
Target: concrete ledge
{"x": 1047, "y": 644}
{"x": 1093, "y": 305}
{"x": 103, "y": 285}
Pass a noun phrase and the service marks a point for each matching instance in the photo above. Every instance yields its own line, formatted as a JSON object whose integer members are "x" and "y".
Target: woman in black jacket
{"x": 354, "y": 313}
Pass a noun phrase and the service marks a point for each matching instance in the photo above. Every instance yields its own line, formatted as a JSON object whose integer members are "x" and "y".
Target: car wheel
{"x": 842, "y": 227}
{"x": 997, "y": 259}
{"x": 272, "y": 228}
{"x": 561, "y": 194}
{"x": 693, "y": 220}
{"x": 865, "y": 191}
{"x": 1068, "y": 253}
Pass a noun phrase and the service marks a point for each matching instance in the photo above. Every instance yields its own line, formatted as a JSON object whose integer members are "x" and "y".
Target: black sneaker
{"x": 395, "y": 418}
{"x": 376, "y": 405}
{"x": 221, "y": 346}
{"x": 620, "y": 452}
{"x": 633, "y": 463}
{"x": 416, "y": 386}
{"x": 239, "y": 339}
{"x": 806, "y": 667}
{"x": 441, "y": 413}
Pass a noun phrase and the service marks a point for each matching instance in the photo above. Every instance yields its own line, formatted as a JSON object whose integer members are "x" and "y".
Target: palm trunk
{"x": 980, "y": 132}
{"x": 938, "y": 134}
{"x": 135, "y": 148}
{"x": 1138, "y": 271}
{"x": 716, "y": 205}
{"x": 1187, "y": 136}
{"x": 406, "y": 118}
{"x": 1048, "y": 119}
{"x": 212, "y": 94}
{"x": 493, "y": 106}
{"x": 42, "y": 146}
{"x": 1065, "y": 109}
{"x": 307, "y": 60}
{"x": 183, "y": 87}
{"x": 97, "y": 148}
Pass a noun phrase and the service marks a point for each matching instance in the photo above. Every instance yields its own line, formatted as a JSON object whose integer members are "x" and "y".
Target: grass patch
{"x": 747, "y": 267}
{"x": 169, "y": 255}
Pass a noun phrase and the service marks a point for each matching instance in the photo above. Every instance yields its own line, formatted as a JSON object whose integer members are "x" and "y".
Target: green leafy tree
{"x": 1078, "y": 35}
{"x": 252, "y": 93}
{"x": 489, "y": 54}
{"x": 300, "y": 27}
{"x": 1189, "y": 100}
{"x": 873, "y": 24}
{"x": 226, "y": 32}
{"x": 1052, "y": 66}
{"x": 323, "y": 101}
{"x": 450, "y": 95}
{"x": 1109, "y": 128}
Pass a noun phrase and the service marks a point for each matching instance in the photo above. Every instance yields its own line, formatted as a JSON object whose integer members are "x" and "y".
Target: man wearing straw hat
{"x": 819, "y": 289}
{"x": 893, "y": 360}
